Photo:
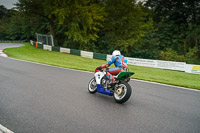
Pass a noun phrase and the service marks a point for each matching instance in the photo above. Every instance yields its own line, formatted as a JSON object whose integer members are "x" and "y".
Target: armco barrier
{"x": 65, "y": 50}
{"x": 56, "y": 49}
{"x": 40, "y": 46}
{"x": 142, "y": 62}
{"x": 170, "y": 65}
{"x": 100, "y": 56}
{"x": 190, "y": 68}
{"x": 47, "y": 47}
{"x": 87, "y": 54}
{"x": 75, "y": 52}
{"x": 108, "y": 57}
{"x": 31, "y": 42}
{"x": 34, "y": 44}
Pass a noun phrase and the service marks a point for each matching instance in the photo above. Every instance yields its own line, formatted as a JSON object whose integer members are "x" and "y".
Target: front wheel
{"x": 92, "y": 86}
{"x": 122, "y": 93}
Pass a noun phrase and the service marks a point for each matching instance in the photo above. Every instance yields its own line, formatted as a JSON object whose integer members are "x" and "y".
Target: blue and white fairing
{"x": 101, "y": 89}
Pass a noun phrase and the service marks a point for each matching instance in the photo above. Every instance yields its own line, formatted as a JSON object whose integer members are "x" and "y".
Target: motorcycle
{"x": 120, "y": 90}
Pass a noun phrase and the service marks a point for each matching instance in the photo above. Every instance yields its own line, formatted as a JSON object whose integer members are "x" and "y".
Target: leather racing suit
{"x": 120, "y": 64}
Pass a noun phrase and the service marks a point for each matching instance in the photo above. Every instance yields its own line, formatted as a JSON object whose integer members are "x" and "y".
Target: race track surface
{"x": 9, "y": 45}
{"x": 36, "y": 98}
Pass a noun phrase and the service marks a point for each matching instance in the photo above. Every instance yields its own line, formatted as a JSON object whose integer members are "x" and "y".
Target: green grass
{"x": 31, "y": 53}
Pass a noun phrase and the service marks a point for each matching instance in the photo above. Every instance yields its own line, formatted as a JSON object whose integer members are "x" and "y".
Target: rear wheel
{"x": 122, "y": 93}
{"x": 92, "y": 86}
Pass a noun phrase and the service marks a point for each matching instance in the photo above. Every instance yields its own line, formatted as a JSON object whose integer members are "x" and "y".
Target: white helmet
{"x": 116, "y": 52}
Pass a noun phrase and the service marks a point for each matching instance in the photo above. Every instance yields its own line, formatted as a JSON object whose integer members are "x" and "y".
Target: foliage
{"x": 177, "y": 23}
{"x": 151, "y": 29}
{"x": 191, "y": 56}
{"x": 193, "y": 38}
{"x": 171, "y": 55}
{"x": 41, "y": 9}
{"x": 179, "y": 12}
{"x": 3, "y": 11}
{"x": 20, "y": 27}
{"x": 81, "y": 19}
{"x": 125, "y": 24}
{"x": 148, "y": 48}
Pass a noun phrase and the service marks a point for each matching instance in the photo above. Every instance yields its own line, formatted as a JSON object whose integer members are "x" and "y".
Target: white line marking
{"x": 151, "y": 82}
{"x": 5, "y": 130}
{"x": 2, "y": 53}
{"x": 191, "y": 89}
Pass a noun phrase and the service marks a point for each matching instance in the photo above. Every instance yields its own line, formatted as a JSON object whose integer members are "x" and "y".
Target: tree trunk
{"x": 52, "y": 29}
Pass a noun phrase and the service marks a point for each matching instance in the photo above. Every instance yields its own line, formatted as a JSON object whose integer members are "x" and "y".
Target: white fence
{"x": 65, "y": 50}
{"x": 47, "y": 47}
{"x": 189, "y": 68}
{"x": 142, "y": 62}
{"x": 170, "y": 65}
{"x": 87, "y": 54}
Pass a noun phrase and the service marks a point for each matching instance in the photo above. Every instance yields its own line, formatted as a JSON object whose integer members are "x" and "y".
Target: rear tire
{"x": 92, "y": 86}
{"x": 122, "y": 93}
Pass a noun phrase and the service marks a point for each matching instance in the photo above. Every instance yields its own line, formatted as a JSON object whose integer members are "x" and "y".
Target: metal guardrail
{"x": 170, "y": 65}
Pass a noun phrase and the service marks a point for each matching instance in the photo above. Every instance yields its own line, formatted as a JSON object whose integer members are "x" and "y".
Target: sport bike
{"x": 120, "y": 90}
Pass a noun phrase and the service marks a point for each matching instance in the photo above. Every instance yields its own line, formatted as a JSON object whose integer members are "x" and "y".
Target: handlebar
{"x": 102, "y": 69}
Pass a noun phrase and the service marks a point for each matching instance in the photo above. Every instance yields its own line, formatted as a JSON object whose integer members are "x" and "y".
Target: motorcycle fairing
{"x": 101, "y": 89}
{"x": 124, "y": 75}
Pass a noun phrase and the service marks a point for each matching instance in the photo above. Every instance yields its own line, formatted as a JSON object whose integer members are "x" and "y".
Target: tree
{"x": 177, "y": 23}
{"x": 5, "y": 21}
{"x": 126, "y": 23}
{"x": 81, "y": 19}
{"x": 40, "y": 8}
{"x": 183, "y": 11}
{"x": 3, "y": 11}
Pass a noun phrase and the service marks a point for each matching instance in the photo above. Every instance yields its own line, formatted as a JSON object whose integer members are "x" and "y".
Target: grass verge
{"x": 33, "y": 54}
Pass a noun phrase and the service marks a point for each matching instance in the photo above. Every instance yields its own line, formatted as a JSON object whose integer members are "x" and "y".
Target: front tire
{"x": 92, "y": 86}
{"x": 122, "y": 93}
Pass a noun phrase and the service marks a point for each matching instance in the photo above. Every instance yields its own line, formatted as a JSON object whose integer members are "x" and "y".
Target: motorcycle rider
{"x": 120, "y": 64}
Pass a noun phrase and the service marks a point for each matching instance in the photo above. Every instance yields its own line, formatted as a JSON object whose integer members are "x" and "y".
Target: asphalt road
{"x": 41, "y": 99}
{"x": 9, "y": 45}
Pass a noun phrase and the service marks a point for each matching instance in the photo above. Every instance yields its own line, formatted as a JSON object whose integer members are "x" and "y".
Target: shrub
{"x": 191, "y": 56}
{"x": 171, "y": 55}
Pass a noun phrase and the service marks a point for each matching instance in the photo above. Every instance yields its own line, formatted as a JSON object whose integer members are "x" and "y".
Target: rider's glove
{"x": 105, "y": 65}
